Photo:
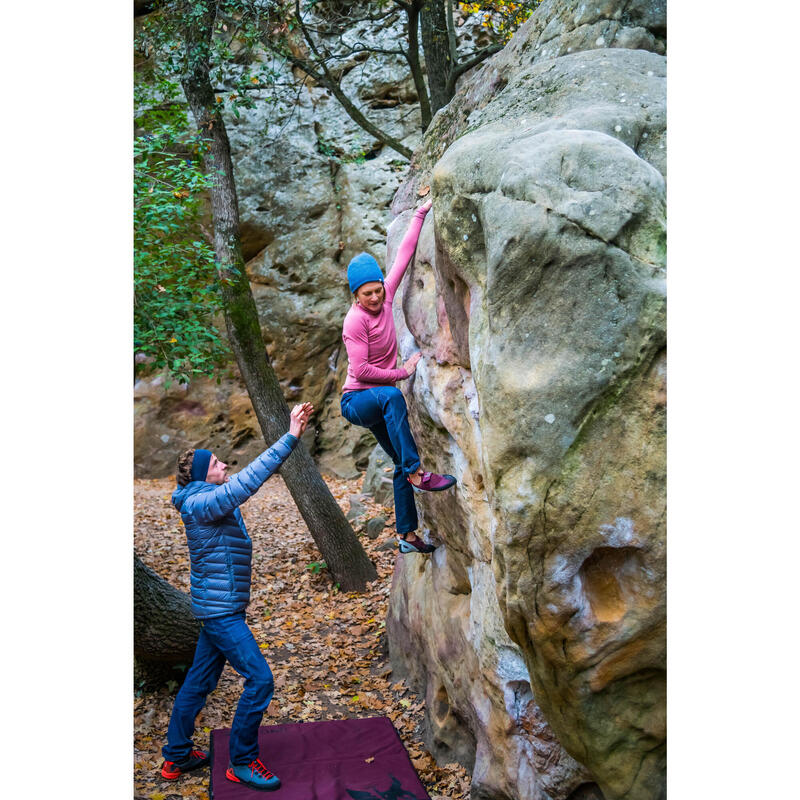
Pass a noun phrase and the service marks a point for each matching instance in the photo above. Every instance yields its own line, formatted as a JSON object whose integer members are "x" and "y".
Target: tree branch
{"x": 326, "y": 80}
{"x": 363, "y": 48}
{"x": 329, "y": 82}
{"x": 476, "y": 59}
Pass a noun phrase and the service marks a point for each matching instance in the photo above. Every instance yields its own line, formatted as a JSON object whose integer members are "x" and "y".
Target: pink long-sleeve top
{"x": 370, "y": 339}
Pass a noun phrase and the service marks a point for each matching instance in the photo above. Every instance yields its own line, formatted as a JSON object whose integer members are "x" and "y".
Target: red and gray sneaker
{"x": 174, "y": 769}
{"x": 432, "y": 482}
{"x": 255, "y": 775}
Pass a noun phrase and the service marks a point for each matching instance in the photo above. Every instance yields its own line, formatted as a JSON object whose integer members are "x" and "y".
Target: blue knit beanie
{"x": 363, "y": 269}
{"x": 200, "y": 462}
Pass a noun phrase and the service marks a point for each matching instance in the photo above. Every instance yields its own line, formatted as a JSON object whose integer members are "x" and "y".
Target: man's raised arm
{"x": 209, "y": 506}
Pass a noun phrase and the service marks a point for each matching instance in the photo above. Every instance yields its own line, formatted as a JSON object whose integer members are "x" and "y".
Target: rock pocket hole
{"x": 241, "y": 438}
{"x": 587, "y": 791}
{"x": 441, "y": 705}
{"x": 518, "y": 696}
{"x": 450, "y": 736}
{"x": 610, "y": 576}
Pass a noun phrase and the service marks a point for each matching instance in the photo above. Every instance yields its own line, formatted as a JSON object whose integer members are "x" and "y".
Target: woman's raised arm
{"x": 406, "y": 250}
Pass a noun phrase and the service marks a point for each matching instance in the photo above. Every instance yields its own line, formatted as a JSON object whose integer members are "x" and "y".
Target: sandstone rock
{"x": 378, "y": 477}
{"x": 168, "y": 421}
{"x": 384, "y": 493}
{"x": 537, "y": 297}
{"x": 375, "y": 527}
{"x": 356, "y": 510}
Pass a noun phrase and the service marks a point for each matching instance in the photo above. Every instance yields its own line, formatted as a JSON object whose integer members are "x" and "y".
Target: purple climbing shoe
{"x": 415, "y": 545}
{"x": 432, "y": 482}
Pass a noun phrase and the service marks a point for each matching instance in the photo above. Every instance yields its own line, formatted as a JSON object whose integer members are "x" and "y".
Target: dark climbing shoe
{"x": 415, "y": 545}
{"x": 432, "y": 482}
{"x": 174, "y": 769}
{"x": 255, "y": 775}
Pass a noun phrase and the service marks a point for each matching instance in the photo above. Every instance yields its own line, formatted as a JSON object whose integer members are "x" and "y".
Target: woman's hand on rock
{"x": 411, "y": 364}
{"x": 299, "y": 417}
{"x": 426, "y": 206}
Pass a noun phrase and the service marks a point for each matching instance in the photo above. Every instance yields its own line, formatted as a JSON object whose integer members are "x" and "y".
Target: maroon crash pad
{"x": 340, "y": 759}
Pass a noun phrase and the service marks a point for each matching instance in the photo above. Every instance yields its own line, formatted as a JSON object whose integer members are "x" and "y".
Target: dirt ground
{"x": 327, "y": 649}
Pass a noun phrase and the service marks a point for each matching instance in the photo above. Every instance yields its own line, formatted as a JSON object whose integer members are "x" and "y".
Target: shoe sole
{"x": 407, "y": 548}
{"x": 249, "y": 785}
{"x": 184, "y": 771}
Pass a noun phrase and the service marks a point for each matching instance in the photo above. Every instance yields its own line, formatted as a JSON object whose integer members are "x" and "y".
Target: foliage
{"x": 501, "y": 18}
{"x": 236, "y": 57}
{"x": 176, "y": 280}
{"x": 176, "y": 289}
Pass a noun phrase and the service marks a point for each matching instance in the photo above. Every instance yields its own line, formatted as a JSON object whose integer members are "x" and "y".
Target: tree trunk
{"x": 412, "y": 56}
{"x": 438, "y": 57}
{"x": 164, "y": 629}
{"x": 334, "y": 537}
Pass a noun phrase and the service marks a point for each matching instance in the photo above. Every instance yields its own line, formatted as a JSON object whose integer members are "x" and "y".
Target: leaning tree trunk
{"x": 164, "y": 630}
{"x": 334, "y": 537}
{"x": 438, "y": 57}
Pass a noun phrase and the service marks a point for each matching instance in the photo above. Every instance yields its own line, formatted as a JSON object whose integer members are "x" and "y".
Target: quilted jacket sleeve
{"x": 209, "y": 506}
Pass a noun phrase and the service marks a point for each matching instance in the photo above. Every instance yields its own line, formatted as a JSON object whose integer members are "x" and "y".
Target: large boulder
{"x": 537, "y": 297}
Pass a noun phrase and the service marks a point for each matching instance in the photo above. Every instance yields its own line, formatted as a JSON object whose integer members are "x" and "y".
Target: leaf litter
{"x": 327, "y": 649}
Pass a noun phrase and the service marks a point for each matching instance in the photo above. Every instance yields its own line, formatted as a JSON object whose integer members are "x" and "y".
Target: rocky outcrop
{"x": 537, "y": 297}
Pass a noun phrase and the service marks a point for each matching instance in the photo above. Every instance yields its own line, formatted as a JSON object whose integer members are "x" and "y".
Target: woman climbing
{"x": 370, "y": 398}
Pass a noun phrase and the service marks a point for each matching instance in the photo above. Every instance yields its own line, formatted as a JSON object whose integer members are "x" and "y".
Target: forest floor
{"x": 327, "y": 649}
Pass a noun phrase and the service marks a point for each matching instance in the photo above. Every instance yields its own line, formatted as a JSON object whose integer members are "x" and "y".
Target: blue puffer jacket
{"x": 219, "y": 547}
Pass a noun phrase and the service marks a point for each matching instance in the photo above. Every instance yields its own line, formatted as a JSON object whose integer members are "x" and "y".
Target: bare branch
{"x": 326, "y": 79}
{"x": 359, "y": 48}
{"x": 475, "y": 58}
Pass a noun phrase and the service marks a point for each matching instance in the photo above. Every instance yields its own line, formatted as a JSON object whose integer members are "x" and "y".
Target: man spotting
{"x": 220, "y": 552}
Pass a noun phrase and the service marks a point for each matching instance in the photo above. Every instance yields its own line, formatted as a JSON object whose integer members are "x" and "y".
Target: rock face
{"x": 168, "y": 421}
{"x": 537, "y": 297}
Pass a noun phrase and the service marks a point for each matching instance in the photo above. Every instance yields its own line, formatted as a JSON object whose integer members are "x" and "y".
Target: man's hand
{"x": 299, "y": 417}
{"x": 411, "y": 364}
